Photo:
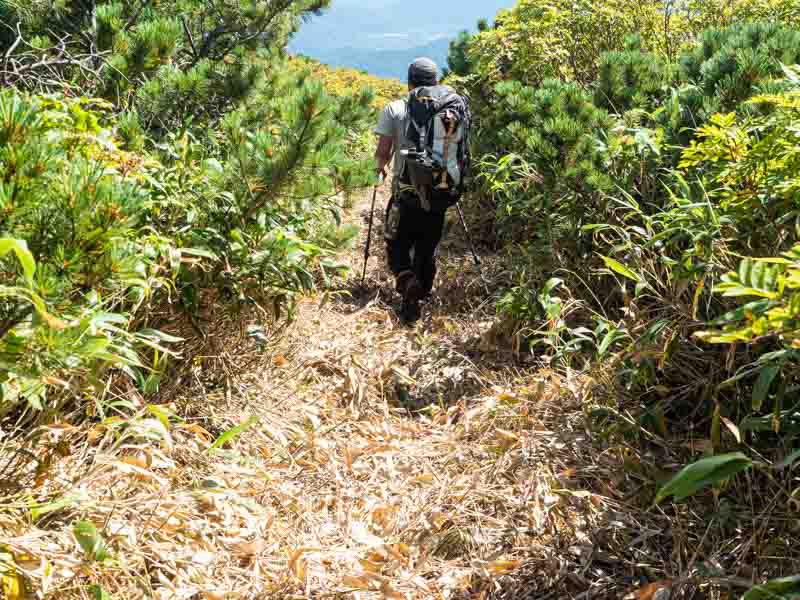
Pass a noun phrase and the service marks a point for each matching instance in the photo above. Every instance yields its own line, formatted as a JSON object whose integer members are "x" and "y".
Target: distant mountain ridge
{"x": 383, "y": 36}
{"x": 389, "y": 64}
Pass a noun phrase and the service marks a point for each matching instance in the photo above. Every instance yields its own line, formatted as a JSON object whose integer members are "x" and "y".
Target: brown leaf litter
{"x": 386, "y": 462}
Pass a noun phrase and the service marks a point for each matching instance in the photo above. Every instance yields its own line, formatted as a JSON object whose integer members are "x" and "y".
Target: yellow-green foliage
{"x": 752, "y": 172}
{"x": 701, "y": 14}
{"x": 538, "y": 39}
{"x": 340, "y": 81}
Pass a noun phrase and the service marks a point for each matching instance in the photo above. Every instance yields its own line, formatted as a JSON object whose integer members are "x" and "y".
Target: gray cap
{"x": 423, "y": 71}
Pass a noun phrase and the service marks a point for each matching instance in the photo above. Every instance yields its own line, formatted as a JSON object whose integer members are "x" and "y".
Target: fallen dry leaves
{"x": 339, "y": 487}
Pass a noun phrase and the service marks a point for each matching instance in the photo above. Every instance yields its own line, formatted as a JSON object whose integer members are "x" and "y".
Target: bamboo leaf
{"x": 763, "y": 384}
{"x": 621, "y": 269}
{"x": 551, "y": 284}
{"x": 703, "y": 473}
{"x": 789, "y": 460}
{"x": 20, "y": 248}
{"x": 745, "y": 269}
{"x": 778, "y": 589}
{"x": 90, "y": 540}
{"x": 233, "y": 433}
{"x": 39, "y": 510}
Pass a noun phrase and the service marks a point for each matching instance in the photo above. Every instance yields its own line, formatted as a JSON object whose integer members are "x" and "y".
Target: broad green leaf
{"x": 758, "y": 307}
{"x": 778, "y": 589}
{"x": 233, "y": 433}
{"x": 609, "y": 339}
{"x": 90, "y": 540}
{"x": 703, "y": 473}
{"x": 745, "y": 269}
{"x": 20, "y": 248}
{"x": 789, "y": 460}
{"x": 551, "y": 285}
{"x": 764, "y": 382}
{"x": 736, "y": 291}
{"x": 770, "y": 281}
{"x": 621, "y": 269}
{"x": 757, "y": 275}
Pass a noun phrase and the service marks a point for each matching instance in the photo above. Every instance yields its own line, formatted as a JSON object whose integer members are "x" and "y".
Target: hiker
{"x": 427, "y": 133}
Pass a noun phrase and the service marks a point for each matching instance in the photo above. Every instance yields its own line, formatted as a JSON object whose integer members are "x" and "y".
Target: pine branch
{"x": 290, "y": 166}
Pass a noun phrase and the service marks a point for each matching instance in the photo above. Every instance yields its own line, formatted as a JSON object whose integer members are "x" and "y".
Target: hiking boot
{"x": 412, "y": 292}
{"x": 410, "y": 312}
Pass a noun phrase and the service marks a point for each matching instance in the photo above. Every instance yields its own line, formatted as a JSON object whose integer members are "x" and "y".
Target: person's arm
{"x": 383, "y": 155}
{"x": 385, "y": 131}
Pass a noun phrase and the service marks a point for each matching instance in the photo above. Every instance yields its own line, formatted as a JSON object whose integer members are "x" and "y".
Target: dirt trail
{"x": 408, "y": 462}
{"x": 373, "y": 461}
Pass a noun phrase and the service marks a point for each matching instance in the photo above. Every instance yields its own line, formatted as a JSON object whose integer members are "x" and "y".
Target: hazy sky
{"x": 363, "y": 23}
{"x": 382, "y": 36}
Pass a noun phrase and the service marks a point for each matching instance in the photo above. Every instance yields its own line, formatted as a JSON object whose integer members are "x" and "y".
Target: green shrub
{"x": 63, "y": 192}
{"x": 178, "y": 63}
{"x": 244, "y": 215}
{"x": 631, "y": 79}
{"x": 727, "y": 67}
{"x": 552, "y": 132}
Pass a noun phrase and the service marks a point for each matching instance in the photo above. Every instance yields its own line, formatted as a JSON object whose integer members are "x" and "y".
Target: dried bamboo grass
{"x": 386, "y": 463}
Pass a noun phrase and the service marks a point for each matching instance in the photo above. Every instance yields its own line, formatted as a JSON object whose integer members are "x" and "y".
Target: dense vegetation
{"x": 342, "y": 81}
{"x": 164, "y": 164}
{"x": 163, "y": 167}
{"x": 155, "y": 162}
{"x": 642, "y": 170}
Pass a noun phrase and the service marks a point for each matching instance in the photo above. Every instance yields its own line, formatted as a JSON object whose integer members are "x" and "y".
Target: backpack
{"x": 439, "y": 164}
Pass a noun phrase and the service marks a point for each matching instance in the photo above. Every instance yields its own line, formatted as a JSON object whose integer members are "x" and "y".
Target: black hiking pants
{"x": 409, "y": 228}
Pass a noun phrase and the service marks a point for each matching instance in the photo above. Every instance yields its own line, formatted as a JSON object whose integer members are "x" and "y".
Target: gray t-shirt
{"x": 392, "y": 123}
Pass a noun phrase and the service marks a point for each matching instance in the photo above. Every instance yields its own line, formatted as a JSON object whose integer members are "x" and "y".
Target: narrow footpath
{"x": 398, "y": 462}
{"x": 348, "y": 457}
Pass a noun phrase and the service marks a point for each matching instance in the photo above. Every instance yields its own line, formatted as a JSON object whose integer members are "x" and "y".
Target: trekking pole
{"x": 469, "y": 238}
{"x": 369, "y": 233}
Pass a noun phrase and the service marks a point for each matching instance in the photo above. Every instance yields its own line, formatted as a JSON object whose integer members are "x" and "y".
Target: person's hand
{"x": 381, "y": 173}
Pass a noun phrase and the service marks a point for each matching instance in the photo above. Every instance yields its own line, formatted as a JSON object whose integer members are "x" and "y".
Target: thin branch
{"x": 10, "y": 51}
{"x": 188, "y": 33}
{"x": 132, "y": 21}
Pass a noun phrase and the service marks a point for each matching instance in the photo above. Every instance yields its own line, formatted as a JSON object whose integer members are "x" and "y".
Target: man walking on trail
{"x": 415, "y": 217}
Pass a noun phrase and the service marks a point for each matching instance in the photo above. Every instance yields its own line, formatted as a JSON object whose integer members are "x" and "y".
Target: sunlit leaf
{"x": 90, "y": 540}
{"x": 621, "y": 269}
{"x": 233, "y": 433}
{"x": 703, "y": 473}
{"x": 20, "y": 248}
